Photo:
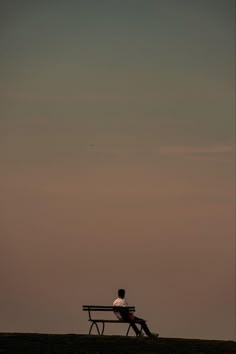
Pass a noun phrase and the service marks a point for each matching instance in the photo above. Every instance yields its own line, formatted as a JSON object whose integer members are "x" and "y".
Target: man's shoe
{"x": 141, "y": 334}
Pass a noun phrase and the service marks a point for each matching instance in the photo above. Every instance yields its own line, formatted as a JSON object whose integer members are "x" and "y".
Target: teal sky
{"x": 117, "y": 148}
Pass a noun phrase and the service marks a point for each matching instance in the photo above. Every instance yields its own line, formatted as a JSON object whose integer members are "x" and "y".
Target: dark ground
{"x": 26, "y": 343}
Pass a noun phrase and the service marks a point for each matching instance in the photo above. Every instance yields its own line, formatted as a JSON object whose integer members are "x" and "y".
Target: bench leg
{"x": 141, "y": 330}
{"x": 91, "y": 327}
{"x": 103, "y": 327}
{"x": 127, "y": 333}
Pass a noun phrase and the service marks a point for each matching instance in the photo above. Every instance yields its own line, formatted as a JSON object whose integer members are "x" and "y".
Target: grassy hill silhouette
{"x": 30, "y": 343}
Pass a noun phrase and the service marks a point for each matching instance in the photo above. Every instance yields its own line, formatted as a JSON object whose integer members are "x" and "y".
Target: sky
{"x": 117, "y": 149}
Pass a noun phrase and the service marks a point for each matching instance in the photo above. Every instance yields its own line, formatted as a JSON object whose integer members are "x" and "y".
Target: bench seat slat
{"x": 109, "y": 321}
{"x": 103, "y": 307}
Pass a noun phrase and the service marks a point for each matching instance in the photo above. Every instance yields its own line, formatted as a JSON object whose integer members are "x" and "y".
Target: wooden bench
{"x": 100, "y": 309}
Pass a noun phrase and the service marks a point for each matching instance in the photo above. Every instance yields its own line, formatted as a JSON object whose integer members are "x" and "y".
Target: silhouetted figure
{"x": 129, "y": 316}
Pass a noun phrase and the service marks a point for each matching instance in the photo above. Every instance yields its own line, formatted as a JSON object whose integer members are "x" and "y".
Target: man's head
{"x": 121, "y": 293}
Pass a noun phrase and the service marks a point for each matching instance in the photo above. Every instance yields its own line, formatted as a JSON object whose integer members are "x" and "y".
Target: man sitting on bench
{"x": 129, "y": 316}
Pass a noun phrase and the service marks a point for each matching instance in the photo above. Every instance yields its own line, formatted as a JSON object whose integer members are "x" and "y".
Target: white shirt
{"x": 120, "y": 302}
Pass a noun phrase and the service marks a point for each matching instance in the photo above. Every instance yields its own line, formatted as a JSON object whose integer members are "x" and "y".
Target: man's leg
{"x": 146, "y": 329}
{"x": 135, "y": 328}
{"x": 131, "y": 319}
{"x": 143, "y": 326}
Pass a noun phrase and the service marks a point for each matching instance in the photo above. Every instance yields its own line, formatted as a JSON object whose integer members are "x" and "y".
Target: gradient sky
{"x": 117, "y": 148}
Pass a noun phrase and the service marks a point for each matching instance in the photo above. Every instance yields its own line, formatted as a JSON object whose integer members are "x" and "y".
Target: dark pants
{"x": 133, "y": 320}
{"x": 143, "y": 325}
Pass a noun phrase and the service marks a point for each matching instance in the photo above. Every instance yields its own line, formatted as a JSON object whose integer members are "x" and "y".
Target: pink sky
{"x": 117, "y": 148}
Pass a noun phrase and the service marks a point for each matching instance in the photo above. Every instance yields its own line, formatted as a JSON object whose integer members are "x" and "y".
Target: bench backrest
{"x": 121, "y": 309}
{"x": 107, "y": 308}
